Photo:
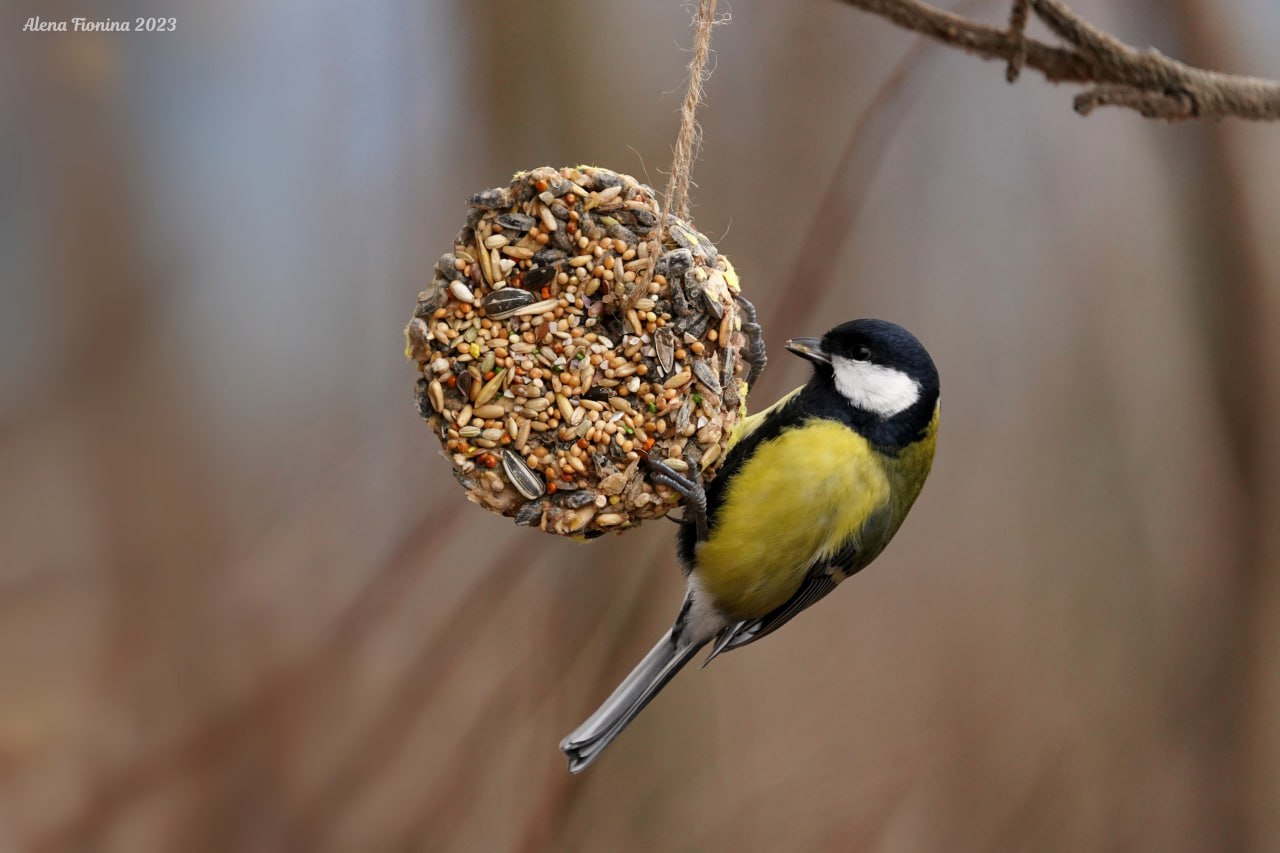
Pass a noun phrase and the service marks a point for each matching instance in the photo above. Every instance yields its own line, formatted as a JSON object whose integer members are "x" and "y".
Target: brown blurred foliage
{"x": 243, "y": 607}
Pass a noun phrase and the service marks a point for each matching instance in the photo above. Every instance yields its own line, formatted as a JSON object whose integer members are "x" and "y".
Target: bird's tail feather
{"x": 585, "y": 743}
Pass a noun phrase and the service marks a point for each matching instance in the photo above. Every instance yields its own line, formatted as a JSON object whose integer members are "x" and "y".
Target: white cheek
{"x": 874, "y": 387}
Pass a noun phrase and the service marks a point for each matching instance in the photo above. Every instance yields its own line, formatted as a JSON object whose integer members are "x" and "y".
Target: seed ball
{"x": 560, "y": 344}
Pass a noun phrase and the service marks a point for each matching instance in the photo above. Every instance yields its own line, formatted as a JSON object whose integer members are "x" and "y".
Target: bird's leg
{"x": 753, "y": 352}
{"x": 695, "y": 498}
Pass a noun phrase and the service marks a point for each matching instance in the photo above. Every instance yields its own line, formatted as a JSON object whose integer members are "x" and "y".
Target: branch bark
{"x": 1147, "y": 81}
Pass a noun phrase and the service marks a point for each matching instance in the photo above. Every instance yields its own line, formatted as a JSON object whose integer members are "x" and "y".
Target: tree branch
{"x": 1143, "y": 80}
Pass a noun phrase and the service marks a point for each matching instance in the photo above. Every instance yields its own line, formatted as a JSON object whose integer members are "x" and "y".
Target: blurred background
{"x": 243, "y": 605}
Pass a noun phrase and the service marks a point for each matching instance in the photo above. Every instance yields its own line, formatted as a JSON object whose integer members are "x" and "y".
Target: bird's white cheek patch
{"x": 874, "y": 387}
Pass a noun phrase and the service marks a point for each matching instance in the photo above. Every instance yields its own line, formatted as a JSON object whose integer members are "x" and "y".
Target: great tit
{"x": 811, "y": 491}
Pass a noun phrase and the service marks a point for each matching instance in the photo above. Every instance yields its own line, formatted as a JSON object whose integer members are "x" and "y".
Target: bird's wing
{"x": 825, "y": 576}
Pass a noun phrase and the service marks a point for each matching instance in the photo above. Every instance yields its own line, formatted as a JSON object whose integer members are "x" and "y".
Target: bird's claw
{"x": 694, "y": 495}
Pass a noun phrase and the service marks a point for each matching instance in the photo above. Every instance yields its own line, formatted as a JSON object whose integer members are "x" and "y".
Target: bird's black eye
{"x": 862, "y": 353}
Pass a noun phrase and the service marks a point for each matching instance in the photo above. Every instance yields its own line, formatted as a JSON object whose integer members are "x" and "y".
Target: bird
{"x": 811, "y": 491}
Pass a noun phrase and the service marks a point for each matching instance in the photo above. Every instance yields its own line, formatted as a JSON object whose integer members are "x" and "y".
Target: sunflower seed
{"x": 494, "y": 199}
{"x": 526, "y": 481}
{"x": 675, "y": 263}
{"x": 603, "y": 179}
{"x": 530, "y": 515}
{"x": 548, "y": 257}
{"x": 708, "y": 248}
{"x": 505, "y": 302}
{"x": 713, "y": 305}
{"x": 577, "y": 500}
{"x": 726, "y": 372}
{"x": 516, "y": 221}
{"x": 694, "y": 326}
{"x": 679, "y": 302}
{"x": 562, "y": 240}
{"x": 618, "y": 231}
{"x": 664, "y": 345}
{"x": 693, "y": 290}
{"x": 447, "y": 267}
{"x": 428, "y": 301}
{"x": 682, "y": 236}
{"x": 706, "y": 374}
{"x": 465, "y": 381}
{"x": 637, "y": 219}
{"x": 684, "y": 414}
{"x": 435, "y": 393}
{"x": 538, "y": 276}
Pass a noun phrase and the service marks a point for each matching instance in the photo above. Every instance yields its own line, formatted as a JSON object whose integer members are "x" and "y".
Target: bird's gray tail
{"x": 585, "y": 743}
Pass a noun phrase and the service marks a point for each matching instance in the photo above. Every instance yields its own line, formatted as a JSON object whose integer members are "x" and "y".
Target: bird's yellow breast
{"x": 797, "y": 499}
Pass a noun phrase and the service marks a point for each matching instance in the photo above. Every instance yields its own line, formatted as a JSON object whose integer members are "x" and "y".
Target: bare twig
{"x": 1018, "y": 30}
{"x": 1143, "y": 80}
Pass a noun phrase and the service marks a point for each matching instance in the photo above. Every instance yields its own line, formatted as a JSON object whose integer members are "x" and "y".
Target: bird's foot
{"x": 754, "y": 352}
{"x": 694, "y": 495}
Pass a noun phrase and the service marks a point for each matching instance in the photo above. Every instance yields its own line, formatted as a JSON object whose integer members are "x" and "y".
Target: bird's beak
{"x": 810, "y": 348}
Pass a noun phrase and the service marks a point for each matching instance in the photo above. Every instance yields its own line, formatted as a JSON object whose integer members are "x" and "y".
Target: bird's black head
{"x": 878, "y": 369}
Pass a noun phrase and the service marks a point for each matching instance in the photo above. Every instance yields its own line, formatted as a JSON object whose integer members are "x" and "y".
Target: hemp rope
{"x": 689, "y": 140}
